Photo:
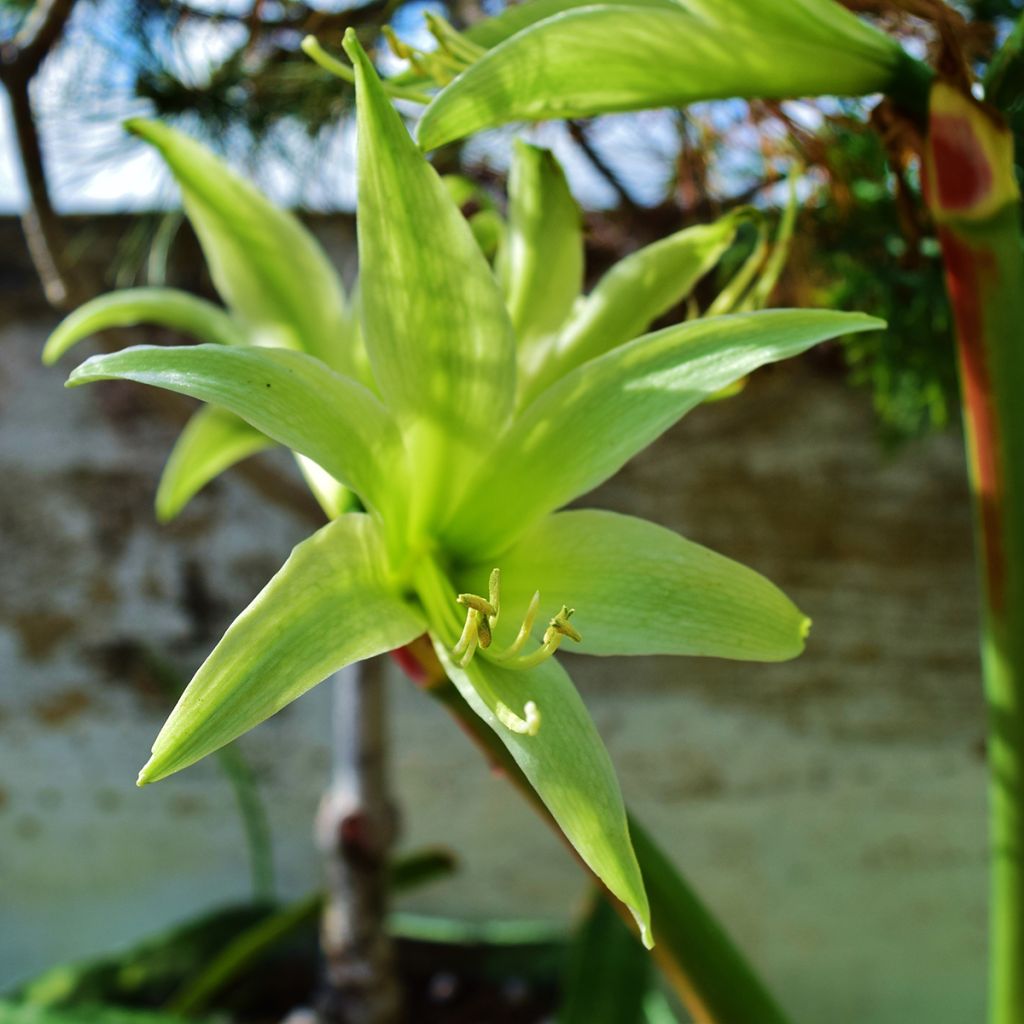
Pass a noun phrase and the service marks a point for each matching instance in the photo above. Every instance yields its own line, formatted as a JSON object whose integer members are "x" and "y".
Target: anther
{"x": 560, "y": 624}
{"x": 478, "y": 604}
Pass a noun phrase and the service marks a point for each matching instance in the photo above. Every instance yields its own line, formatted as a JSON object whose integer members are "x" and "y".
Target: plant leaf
{"x": 330, "y": 604}
{"x": 608, "y": 974}
{"x": 289, "y": 396}
{"x": 637, "y": 290}
{"x": 213, "y": 440}
{"x": 434, "y": 321}
{"x": 607, "y": 58}
{"x": 167, "y": 307}
{"x": 266, "y": 266}
{"x": 565, "y": 761}
{"x": 641, "y": 589}
{"x": 542, "y": 260}
{"x": 596, "y": 418}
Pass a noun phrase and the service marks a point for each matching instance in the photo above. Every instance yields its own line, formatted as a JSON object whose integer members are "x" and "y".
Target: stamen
{"x": 494, "y": 593}
{"x": 469, "y": 634}
{"x": 478, "y": 604}
{"x": 483, "y": 629}
{"x": 482, "y": 616}
{"x": 560, "y": 623}
{"x": 524, "y": 631}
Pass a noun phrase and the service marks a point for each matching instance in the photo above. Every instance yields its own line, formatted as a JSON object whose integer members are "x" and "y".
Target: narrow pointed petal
{"x": 435, "y": 325}
{"x": 596, "y": 418}
{"x": 542, "y": 262}
{"x": 641, "y": 589}
{"x": 166, "y": 307}
{"x": 266, "y": 266}
{"x": 212, "y": 441}
{"x": 566, "y": 763}
{"x": 606, "y": 58}
{"x": 334, "y": 498}
{"x": 636, "y": 291}
{"x": 329, "y": 605}
{"x": 289, "y": 396}
{"x": 514, "y": 18}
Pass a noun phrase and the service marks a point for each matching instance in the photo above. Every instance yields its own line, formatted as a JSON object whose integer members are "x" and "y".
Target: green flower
{"x": 461, "y": 446}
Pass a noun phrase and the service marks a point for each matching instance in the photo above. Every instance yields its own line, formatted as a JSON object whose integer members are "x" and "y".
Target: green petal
{"x": 596, "y": 418}
{"x": 607, "y": 58}
{"x": 213, "y": 440}
{"x": 167, "y": 307}
{"x": 330, "y": 604}
{"x": 334, "y": 498}
{"x": 489, "y": 32}
{"x": 564, "y": 760}
{"x": 289, "y": 396}
{"x": 641, "y": 589}
{"x": 542, "y": 261}
{"x": 636, "y": 291}
{"x": 434, "y": 320}
{"x": 266, "y": 266}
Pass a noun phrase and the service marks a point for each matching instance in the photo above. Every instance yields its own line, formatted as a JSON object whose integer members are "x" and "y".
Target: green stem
{"x": 973, "y": 196}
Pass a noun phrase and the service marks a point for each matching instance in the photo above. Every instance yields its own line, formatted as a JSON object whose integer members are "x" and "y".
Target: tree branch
{"x": 578, "y": 132}
{"x": 356, "y": 828}
{"x": 37, "y": 37}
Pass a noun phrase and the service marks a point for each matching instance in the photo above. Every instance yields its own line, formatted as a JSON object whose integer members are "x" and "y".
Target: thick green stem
{"x": 973, "y": 195}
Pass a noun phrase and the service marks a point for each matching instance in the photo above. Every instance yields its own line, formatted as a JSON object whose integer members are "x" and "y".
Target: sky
{"x": 93, "y": 167}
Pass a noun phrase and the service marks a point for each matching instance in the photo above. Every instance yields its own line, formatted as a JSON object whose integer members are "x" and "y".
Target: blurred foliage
{"x": 863, "y": 250}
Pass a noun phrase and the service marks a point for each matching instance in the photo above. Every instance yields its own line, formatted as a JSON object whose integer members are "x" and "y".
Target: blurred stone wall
{"x": 832, "y": 809}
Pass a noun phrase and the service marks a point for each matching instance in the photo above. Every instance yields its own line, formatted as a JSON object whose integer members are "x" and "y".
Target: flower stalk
{"x": 972, "y": 193}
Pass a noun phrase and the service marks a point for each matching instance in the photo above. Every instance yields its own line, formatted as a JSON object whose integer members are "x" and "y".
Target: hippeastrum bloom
{"x": 576, "y": 58}
{"x": 460, "y": 460}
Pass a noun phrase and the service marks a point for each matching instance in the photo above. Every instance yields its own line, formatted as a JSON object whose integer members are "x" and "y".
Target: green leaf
{"x": 213, "y": 440}
{"x": 565, "y": 761}
{"x": 608, "y": 975}
{"x": 266, "y": 266}
{"x": 288, "y": 396}
{"x": 542, "y": 261}
{"x": 641, "y": 589}
{"x": 596, "y": 418}
{"x": 329, "y": 605}
{"x": 167, "y": 307}
{"x": 88, "y": 1013}
{"x": 434, "y": 321}
{"x": 606, "y": 58}
{"x": 637, "y": 290}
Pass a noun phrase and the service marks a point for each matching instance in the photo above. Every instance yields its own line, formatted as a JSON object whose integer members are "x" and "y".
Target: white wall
{"x": 832, "y": 809}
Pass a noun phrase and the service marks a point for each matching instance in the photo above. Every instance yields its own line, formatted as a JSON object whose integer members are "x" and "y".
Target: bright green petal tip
{"x": 805, "y": 628}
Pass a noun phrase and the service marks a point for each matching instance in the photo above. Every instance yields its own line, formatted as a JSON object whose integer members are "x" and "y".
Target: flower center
{"x": 482, "y": 614}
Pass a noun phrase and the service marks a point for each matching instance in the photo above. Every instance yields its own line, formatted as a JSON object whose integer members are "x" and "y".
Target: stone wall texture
{"x": 832, "y": 809}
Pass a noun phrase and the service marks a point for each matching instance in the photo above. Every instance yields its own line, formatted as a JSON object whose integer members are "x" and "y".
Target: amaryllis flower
{"x": 463, "y": 411}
